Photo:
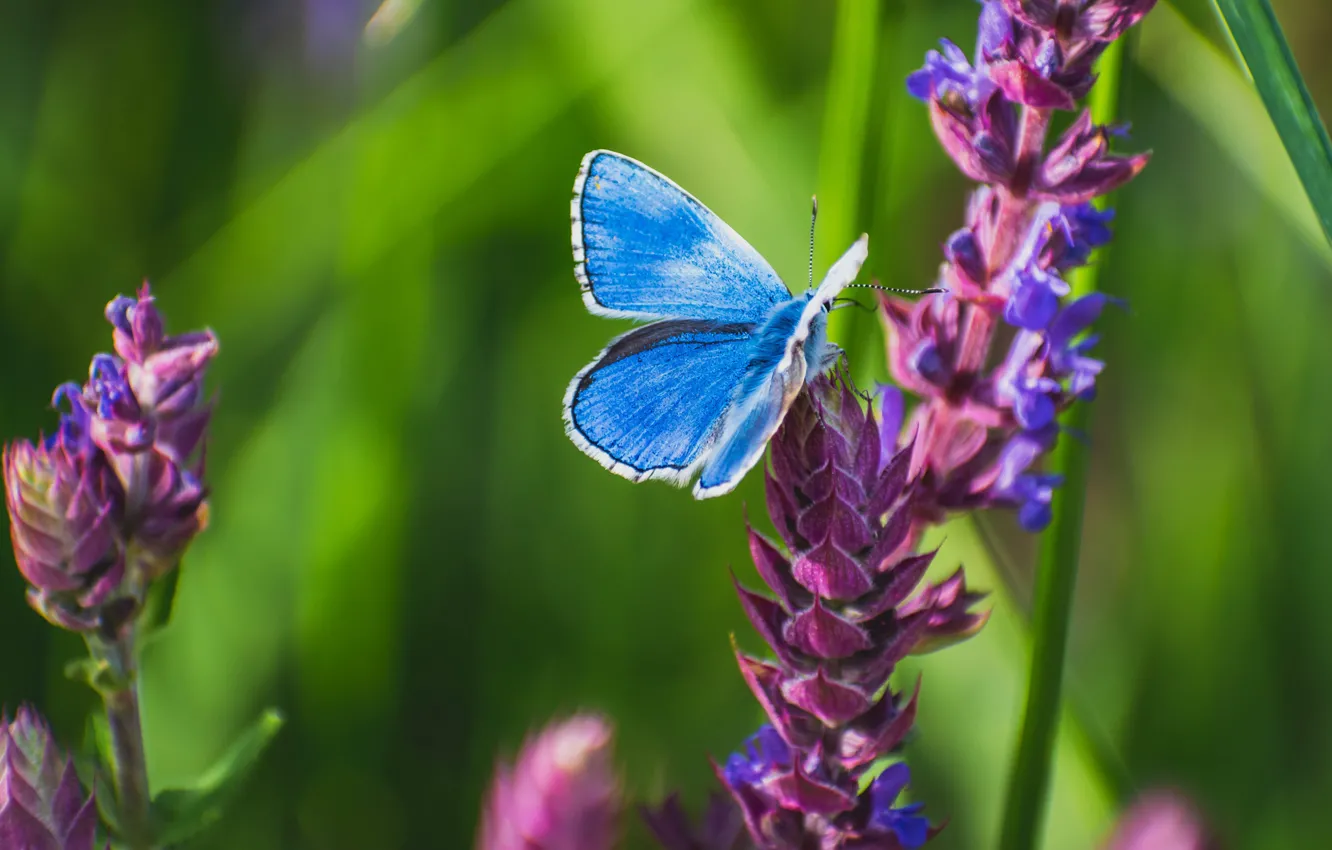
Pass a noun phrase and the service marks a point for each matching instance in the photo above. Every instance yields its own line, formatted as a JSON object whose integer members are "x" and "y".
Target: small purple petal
{"x": 995, "y": 29}
{"x": 1032, "y": 304}
{"x": 911, "y": 829}
{"x": 1034, "y": 516}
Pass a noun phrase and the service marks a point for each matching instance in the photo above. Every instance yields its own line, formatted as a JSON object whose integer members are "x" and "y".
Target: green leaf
{"x": 90, "y": 761}
{"x": 181, "y": 813}
{"x": 842, "y": 147}
{"x": 1256, "y": 33}
{"x": 95, "y": 673}
{"x": 158, "y": 605}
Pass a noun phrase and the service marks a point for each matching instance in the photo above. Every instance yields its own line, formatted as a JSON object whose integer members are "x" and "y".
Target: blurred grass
{"x": 410, "y": 558}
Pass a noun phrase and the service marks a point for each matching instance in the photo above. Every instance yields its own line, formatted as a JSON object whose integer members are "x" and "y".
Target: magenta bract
{"x": 42, "y": 804}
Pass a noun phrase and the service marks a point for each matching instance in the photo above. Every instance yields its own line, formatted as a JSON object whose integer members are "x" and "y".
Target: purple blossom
{"x": 948, "y": 73}
{"x": 850, "y": 497}
{"x": 1083, "y": 228}
{"x": 764, "y": 753}
{"x": 1030, "y": 491}
{"x": 1034, "y": 299}
{"x": 109, "y": 502}
{"x": 910, "y": 829}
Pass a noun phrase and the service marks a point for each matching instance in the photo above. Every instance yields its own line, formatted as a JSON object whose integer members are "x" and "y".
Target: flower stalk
{"x": 129, "y": 766}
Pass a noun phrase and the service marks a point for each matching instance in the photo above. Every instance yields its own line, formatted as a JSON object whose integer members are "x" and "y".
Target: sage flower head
{"x": 108, "y": 504}
{"x": 560, "y": 794}
{"x": 983, "y": 426}
{"x": 848, "y": 603}
{"x": 42, "y": 804}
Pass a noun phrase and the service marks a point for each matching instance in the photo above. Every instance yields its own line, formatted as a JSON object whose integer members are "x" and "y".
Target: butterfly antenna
{"x": 813, "y": 217}
{"x": 891, "y": 289}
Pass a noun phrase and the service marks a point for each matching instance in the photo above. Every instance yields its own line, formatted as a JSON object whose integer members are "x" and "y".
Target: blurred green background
{"x": 410, "y": 559}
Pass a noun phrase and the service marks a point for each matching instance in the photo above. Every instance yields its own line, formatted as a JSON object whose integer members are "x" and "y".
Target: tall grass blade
{"x": 1262, "y": 45}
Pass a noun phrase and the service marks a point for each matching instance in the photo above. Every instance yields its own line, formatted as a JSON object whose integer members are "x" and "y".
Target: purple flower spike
{"x": 848, "y": 607}
{"x": 42, "y": 805}
{"x": 984, "y": 422}
{"x": 561, "y": 794}
{"x": 110, "y": 501}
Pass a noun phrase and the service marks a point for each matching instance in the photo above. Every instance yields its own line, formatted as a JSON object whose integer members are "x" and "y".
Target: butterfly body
{"x": 704, "y": 386}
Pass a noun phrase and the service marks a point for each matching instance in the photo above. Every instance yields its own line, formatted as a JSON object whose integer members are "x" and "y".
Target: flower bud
{"x": 62, "y": 513}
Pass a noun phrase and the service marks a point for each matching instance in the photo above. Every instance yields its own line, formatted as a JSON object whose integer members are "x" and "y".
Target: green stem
{"x": 845, "y": 123}
{"x": 1056, "y": 576}
{"x": 129, "y": 767}
{"x": 842, "y": 154}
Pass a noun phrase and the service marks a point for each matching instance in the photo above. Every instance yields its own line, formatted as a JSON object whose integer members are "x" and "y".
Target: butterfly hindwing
{"x": 750, "y": 423}
{"x": 774, "y": 375}
{"x": 646, "y": 249}
{"x": 788, "y": 348}
{"x": 652, "y": 404}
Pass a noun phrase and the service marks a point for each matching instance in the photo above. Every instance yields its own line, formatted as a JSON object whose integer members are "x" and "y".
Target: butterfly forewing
{"x": 646, "y": 249}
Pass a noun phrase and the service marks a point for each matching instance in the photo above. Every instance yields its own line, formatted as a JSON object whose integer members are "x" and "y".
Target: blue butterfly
{"x": 705, "y": 386}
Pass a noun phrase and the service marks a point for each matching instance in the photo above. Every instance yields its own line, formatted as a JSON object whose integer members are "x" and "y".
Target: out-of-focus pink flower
{"x": 1161, "y": 820}
{"x": 560, "y": 794}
